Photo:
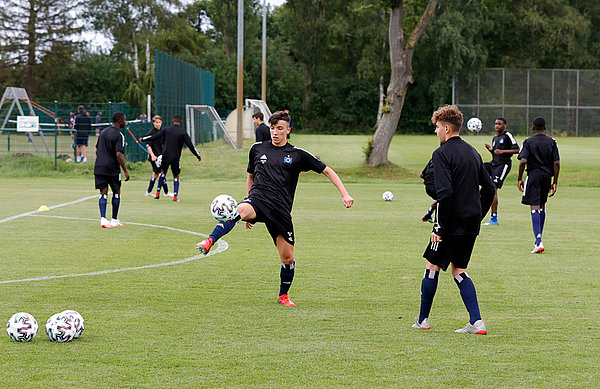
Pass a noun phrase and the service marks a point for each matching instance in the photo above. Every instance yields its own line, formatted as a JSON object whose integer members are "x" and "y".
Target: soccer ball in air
{"x": 474, "y": 124}
{"x": 77, "y": 321}
{"x": 388, "y": 196}
{"x": 60, "y": 328}
{"x": 224, "y": 208}
{"x": 21, "y": 327}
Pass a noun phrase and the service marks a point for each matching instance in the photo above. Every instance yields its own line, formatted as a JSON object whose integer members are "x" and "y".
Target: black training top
{"x": 156, "y": 144}
{"x": 173, "y": 138}
{"x": 109, "y": 143}
{"x": 458, "y": 173}
{"x": 540, "y": 151}
{"x": 83, "y": 125}
{"x": 263, "y": 133}
{"x": 504, "y": 141}
{"x": 276, "y": 171}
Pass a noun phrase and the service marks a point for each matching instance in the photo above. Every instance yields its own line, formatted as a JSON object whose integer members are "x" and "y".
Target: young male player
{"x": 83, "y": 125}
{"x": 458, "y": 175}
{"x": 109, "y": 156}
{"x": 540, "y": 155}
{"x": 502, "y": 148}
{"x": 273, "y": 170}
{"x": 155, "y": 148}
{"x": 262, "y": 131}
{"x": 173, "y": 137}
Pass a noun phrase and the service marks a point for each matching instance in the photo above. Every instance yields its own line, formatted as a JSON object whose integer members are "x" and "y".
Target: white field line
{"x": 220, "y": 247}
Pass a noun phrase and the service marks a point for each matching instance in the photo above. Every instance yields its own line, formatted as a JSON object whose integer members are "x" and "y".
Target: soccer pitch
{"x": 213, "y": 321}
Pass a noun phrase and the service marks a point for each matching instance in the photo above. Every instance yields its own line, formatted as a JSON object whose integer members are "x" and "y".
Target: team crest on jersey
{"x": 263, "y": 159}
{"x": 501, "y": 141}
{"x": 287, "y": 159}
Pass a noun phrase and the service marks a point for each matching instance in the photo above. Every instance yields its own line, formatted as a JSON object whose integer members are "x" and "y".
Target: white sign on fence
{"x": 28, "y": 123}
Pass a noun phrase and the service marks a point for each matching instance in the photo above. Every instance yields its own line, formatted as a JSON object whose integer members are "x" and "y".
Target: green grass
{"x": 213, "y": 322}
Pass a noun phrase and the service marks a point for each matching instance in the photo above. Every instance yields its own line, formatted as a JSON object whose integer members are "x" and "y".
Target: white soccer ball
{"x": 21, "y": 327}
{"x": 474, "y": 124}
{"x": 224, "y": 208}
{"x": 60, "y": 328}
{"x": 77, "y": 321}
{"x": 388, "y": 196}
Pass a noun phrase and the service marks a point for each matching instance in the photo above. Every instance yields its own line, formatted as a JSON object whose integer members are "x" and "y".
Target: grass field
{"x": 213, "y": 321}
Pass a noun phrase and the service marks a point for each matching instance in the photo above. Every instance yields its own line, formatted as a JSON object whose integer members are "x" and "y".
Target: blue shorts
{"x": 83, "y": 141}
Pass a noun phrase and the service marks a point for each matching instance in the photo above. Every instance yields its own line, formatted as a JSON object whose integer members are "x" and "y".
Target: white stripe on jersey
{"x": 122, "y": 139}
{"x": 308, "y": 152}
{"x": 512, "y": 139}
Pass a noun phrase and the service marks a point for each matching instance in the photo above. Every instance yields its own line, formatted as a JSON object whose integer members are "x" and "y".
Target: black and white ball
{"x": 60, "y": 328}
{"x": 474, "y": 124}
{"x": 77, "y": 321}
{"x": 224, "y": 208}
{"x": 22, "y": 327}
{"x": 387, "y": 196}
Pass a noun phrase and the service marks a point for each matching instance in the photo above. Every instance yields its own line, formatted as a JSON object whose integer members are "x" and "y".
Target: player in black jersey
{"x": 540, "y": 155}
{"x": 262, "y": 131}
{"x": 155, "y": 148}
{"x": 458, "y": 174}
{"x": 110, "y": 148}
{"x": 273, "y": 170}
{"x": 173, "y": 138}
{"x": 502, "y": 148}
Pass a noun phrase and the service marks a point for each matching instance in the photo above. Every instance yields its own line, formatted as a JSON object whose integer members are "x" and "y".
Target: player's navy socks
{"x": 151, "y": 184}
{"x": 428, "y": 288}
{"x": 116, "y": 201}
{"x": 287, "y": 276}
{"x": 469, "y": 296}
{"x": 542, "y": 219}
{"x": 102, "y": 203}
{"x": 165, "y": 187}
{"x": 161, "y": 182}
{"x": 223, "y": 228}
{"x": 175, "y": 186}
{"x": 536, "y": 221}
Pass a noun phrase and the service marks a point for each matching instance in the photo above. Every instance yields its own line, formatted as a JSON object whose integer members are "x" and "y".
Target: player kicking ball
{"x": 273, "y": 170}
{"x": 110, "y": 148}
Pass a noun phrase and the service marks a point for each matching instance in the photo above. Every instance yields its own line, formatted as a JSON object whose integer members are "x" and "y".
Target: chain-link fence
{"x": 568, "y": 99}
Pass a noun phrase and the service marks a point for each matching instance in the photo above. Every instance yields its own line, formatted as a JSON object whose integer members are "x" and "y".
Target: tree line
{"x": 327, "y": 61}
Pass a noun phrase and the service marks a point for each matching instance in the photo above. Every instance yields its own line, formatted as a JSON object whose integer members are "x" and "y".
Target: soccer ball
{"x": 388, "y": 196}
{"x": 77, "y": 320}
{"x": 60, "y": 328}
{"x": 21, "y": 327}
{"x": 224, "y": 208}
{"x": 474, "y": 124}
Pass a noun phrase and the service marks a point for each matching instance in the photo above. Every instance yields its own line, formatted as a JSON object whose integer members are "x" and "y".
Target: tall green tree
{"x": 401, "y": 53}
{"x": 31, "y": 28}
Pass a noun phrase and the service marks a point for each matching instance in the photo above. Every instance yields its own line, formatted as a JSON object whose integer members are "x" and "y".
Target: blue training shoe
{"x": 492, "y": 222}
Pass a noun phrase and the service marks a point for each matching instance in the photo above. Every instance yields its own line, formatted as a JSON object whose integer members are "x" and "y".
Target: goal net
{"x": 204, "y": 124}
{"x": 259, "y": 105}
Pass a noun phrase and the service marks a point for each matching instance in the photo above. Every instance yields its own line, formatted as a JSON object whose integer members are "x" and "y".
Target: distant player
{"x": 427, "y": 176}
{"x": 262, "y": 131}
{"x": 273, "y": 170}
{"x": 83, "y": 125}
{"x": 540, "y": 155}
{"x": 458, "y": 175}
{"x": 173, "y": 137}
{"x": 155, "y": 148}
{"x": 502, "y": 148}
{"x": 110, "y": 148}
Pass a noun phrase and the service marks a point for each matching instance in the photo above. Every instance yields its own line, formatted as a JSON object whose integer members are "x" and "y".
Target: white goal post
{"x": 203, "y": 124}
{"x": 259, "y": 105}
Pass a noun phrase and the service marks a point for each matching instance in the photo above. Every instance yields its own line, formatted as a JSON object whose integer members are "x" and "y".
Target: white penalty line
{"x": 220, "y": 247}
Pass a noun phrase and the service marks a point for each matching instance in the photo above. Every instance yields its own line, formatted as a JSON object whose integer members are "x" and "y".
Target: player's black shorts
{"x": 537, "y": 186}
{"x": 155, "y": 168}
{"x": 81, "y": 141}
{"x": 497, "y": 172}
{"x": 453, "y": 248}
{"x": 103, "y": 181}
{"x": 278, "y": 222}
{"x": 175, "y": 167}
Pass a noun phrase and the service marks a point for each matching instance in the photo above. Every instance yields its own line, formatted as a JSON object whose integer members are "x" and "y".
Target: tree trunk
{"x": 136, "y": 65}
{"x": 381, "y": 60}
{"x": 401, "y": 54}
{"x": 147, "y": 55}
{"x": 30, "y": 83}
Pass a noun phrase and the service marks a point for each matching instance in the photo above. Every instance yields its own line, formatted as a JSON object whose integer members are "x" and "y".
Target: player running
{"x": 458, "y": 174}
{"x": 502, "y": 148}
{"x": 155, "y": 148}
{"x": 173, "y": 137}
{"x": 540, "y": 155}
{"x": 110, "y": 148}
{"x": 273, "y": 170}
